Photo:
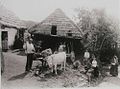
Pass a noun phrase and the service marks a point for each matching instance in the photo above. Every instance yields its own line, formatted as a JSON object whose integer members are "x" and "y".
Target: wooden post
{"x": 71, "y": 45}
{"x": 0, "y": 38}
{"x": 68, "y": 49}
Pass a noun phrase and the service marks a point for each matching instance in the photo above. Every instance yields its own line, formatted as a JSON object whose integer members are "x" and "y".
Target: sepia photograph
{"x": 60, "y": 44}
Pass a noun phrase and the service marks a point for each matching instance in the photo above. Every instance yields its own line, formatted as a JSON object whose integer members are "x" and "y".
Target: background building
{"x": 11, "y": 27}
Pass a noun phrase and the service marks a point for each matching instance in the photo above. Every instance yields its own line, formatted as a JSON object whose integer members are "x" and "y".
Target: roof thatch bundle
{"x": 9, "y": 19}
{"x": 63, "y": 25}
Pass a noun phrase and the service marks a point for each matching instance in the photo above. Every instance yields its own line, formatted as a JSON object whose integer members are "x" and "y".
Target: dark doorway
{"x": 4, "y": 40}
{"x": 69, "y": 33}
{"x": 19, "y": 39}
{"x": 54, "y": 30}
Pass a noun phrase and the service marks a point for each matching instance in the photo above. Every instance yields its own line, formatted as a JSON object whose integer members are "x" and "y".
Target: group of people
{"x": 90, "y": 62}
{"x": 91, "y": 65}
{"x": 30, "y": 51}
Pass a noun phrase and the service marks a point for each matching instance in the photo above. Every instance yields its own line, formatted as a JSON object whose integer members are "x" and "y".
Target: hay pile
{"x": 71, "y": 77}
{"x": 68, "y": 78}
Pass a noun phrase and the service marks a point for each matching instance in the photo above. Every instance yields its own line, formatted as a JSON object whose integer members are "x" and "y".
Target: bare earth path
{"x": 112, "y": 82}
{"x": 15, "y": 78}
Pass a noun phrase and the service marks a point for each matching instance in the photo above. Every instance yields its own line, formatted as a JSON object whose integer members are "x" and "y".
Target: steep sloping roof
{"x": 29, "y": 24}
{"x": 8, "y": 18}
{"x": 63, "y": 23}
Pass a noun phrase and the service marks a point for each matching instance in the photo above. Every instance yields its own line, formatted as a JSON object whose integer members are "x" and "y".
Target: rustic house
{"x": 58, "y": 28}
{"x": 11, "y": 28}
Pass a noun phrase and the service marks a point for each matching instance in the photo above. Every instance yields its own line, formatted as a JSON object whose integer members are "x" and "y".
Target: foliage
{"x": 99, "y": 30}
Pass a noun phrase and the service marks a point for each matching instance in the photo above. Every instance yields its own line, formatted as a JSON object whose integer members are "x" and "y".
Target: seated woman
{"x": 93, "y": 71}
{"x": 95, "y": 68}
{"x": 114, "y": 66}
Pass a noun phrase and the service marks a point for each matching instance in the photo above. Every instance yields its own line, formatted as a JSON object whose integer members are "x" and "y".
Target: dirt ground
{"x": 14, "y": 76}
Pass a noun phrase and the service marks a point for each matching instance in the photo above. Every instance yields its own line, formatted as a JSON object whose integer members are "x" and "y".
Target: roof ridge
{"x": 59, "y": 18}
{"x": 9, "y": 18}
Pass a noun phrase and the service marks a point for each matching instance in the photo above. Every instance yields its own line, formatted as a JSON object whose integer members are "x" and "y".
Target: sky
{"x": 37, "y": 10}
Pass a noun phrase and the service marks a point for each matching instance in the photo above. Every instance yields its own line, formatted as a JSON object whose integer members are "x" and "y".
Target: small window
{"x": 69, "y": 33}
{"x": 54, "y": 30}
{"x": 3, "y": 26}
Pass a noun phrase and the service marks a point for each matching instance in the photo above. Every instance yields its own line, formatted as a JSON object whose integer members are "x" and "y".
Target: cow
{"x": 56, "y": 59}
{"x": 46, "y": 52}
{"x": 43, "y": 55}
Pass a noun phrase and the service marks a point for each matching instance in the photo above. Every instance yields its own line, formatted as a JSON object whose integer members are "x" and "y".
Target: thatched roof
{"x": 59, "y": 19}
{"x": 29, "y": 24}
{"x": 8, "y": 18}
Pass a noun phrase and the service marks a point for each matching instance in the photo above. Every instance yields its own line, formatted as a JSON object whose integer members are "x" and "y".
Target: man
{"x": 86, "y": 57}
{"x": 61, "y": 48}
{"x": 86, "y": 62}
{"x": 29, "y": 49}
{"x": 86, "y": 54}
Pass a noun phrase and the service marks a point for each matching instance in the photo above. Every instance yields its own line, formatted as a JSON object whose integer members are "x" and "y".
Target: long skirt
{"x": 96, "y": 72}
{"x": 114, "y": 70}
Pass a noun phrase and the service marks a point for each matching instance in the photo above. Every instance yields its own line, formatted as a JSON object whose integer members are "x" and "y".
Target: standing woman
{"x": 114, "y": 66}
{"x": 5, "y": 44}
{"x": 29, "y": 49}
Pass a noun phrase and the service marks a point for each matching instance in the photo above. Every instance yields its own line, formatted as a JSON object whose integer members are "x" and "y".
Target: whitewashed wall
{"x": 11, "y": 35}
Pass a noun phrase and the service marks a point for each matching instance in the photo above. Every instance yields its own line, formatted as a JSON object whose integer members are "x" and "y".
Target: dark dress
{"x": 114, "y": 67}
{"x": 5, "y": 45}
{"x": 114, "y": 70}
{"x": 87, "y": 65}
{"x": 96, "y": 72}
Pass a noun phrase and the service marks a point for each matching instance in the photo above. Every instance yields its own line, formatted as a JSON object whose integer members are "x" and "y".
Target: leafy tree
{"x": 100, "y": 35}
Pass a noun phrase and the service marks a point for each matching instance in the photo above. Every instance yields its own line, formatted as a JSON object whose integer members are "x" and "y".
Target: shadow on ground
{"x": 21, "y": 53}
{"x": 20, "y": 76}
